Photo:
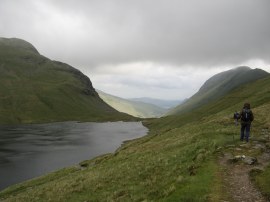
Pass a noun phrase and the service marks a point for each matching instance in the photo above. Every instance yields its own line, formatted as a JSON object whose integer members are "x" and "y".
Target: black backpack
{"x": 247, "y": 115}
{"x": 236, "y": 115}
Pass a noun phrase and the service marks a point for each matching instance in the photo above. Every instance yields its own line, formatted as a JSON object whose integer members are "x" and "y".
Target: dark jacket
{"x": 243, "y": 116}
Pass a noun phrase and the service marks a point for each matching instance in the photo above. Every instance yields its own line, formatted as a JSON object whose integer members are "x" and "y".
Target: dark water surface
{"x": 28, "y": 151}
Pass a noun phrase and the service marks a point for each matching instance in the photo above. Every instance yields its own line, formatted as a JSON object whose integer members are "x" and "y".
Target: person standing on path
{"x": 246, "y": 117}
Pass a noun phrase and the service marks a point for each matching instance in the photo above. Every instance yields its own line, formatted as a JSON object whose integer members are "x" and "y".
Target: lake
{"x": 31, "y": 150}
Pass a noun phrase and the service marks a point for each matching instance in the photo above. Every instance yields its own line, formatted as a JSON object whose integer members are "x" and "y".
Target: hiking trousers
{"x": 245, "y": 131}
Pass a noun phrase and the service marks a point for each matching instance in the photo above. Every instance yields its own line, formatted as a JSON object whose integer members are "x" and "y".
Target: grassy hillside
{"x": 218, "y": 85}
{"x": 134, "y": 108}
{"x": 36, "y": 89}
{"x": 176, "y": 161}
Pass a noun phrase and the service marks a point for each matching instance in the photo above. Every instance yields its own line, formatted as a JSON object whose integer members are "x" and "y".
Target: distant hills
{"x": 166, "y": 104}
{"x": 34, "y": 88}
{"x": 180, "y": 158}
{"x": 218, "y": 85}
{"x": 132, "y": 107}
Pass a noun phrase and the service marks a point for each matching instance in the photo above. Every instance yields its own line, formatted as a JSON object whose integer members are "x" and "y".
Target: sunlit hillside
{"x": 134, "y": 108}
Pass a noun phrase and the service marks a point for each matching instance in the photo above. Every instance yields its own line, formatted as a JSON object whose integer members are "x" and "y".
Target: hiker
{"x": 246, "y": 119}
{"x": 236, "y": 117}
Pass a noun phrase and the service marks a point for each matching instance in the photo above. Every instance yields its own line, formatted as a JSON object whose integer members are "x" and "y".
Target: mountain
{"x": 166, "y": 104}
{"x": 134, "y": 108}
{"x": 218, "y": 85}
{"x": 34, "y": 88}
{"x": 183, "y": 158}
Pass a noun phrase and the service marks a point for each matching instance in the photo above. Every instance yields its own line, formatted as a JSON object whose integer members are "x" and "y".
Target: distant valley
{"x": 134, "y": 107}
{"x": 213, "y": 89}
{"x": 166, "y": 104}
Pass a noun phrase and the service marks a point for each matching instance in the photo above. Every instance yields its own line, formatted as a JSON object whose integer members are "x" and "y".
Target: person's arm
{"x": 240, "y": 114}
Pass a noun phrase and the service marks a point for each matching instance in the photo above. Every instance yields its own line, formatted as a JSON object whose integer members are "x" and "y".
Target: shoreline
{"x": 120, "y": 145}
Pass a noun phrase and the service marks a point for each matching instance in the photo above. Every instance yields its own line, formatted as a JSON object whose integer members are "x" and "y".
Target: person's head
{"x": 247, "y": 106}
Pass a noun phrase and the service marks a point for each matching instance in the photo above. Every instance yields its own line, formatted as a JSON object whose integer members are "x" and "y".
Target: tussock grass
{"x": 262, "y": 181}
{"x": 177, "y": 164}
{"x": 176, "y": 161}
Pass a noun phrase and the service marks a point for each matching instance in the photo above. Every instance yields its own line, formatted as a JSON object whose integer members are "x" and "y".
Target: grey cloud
{"x": 194, "y": 32}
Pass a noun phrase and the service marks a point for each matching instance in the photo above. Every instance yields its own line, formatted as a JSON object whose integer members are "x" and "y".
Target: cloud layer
{"x": 94, "y": 34}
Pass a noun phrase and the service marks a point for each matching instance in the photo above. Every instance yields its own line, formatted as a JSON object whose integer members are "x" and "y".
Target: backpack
{"x": 247, "y": 115}
{"x": 236, "y": 115}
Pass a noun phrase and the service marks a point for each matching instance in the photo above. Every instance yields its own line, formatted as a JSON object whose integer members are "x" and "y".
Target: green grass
{"x": 155, "y": 168}
{"x": 176, "y": 161}
{"x": 35, "y": 89}
{"x": 218, "y": 86}
{"x": 262, "y": 181}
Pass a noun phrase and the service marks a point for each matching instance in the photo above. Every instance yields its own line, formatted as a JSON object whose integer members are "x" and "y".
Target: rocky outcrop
{"x": 87, "y": 84}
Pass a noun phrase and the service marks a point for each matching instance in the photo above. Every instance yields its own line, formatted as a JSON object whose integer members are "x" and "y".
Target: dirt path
{"x": 236, "y": 173}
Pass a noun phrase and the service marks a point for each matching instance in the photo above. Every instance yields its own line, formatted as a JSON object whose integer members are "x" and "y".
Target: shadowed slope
{"x": 218, "y": 85}
{"x": 36, "y": 89}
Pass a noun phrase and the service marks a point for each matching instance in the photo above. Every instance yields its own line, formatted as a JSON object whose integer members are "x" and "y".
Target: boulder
{"x": 250, "y": 160}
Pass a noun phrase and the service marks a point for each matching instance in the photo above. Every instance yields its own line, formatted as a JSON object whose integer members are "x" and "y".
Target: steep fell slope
{"x": 36, "y": 89}
{"x": 219, "y": 85}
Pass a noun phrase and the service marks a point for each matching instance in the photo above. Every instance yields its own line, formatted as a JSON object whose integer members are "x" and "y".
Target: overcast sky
{"x": 144, "y": 48}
